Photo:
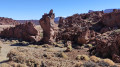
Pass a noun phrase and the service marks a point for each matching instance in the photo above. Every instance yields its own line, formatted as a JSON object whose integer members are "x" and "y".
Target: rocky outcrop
{"x": 7, "y": 21}
{"x": 49, "y": 27}
{"x": 109, "y": 22}
{"x": 22, "y": 31}
{"x": 76, "y": 28}
{"x": 107, "y": 45}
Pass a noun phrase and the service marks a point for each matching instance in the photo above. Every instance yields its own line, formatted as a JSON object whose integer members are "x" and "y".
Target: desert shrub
{"x": 7, "y": 42}
{"x": 95, "y": 59}
{"x": 24, "y": 42}
{"x": 47, "y": 56}
{"x": 14, "y": 41}
{"x": 114, "y": 66}
{"x": 38, "y": 47}
{"x": 34, "y": 46}
{"x": 59, "y": 45}
{"x": 41, "y": 34}
{"x": 69, "y": 48}
{"x": 0, "y": 49}
{"x": 18, "y": 65}
{"x": 50, "y": 50}
{"x": 82, "y": 57}
{"x": 89, "y": 45}
{"x": 110, "y": 62}
{"x": 17, "y": 55}
{"x": 31, "y": 45}
{"x": 103, "y": 64}
{"x": 78, "y": 64}
{"x": 90, "y": 64}
{"x": 60, "y": 42}
{"x": 46, "y": 46}
{"x": 63, "y": 55}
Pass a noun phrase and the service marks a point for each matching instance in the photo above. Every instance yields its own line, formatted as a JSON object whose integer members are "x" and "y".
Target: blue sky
{"x": 34, "y": 9}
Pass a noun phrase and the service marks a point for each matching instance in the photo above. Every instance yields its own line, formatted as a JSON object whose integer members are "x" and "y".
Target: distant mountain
{"x": 108, "y": 10}
{"x": 36, "y": 22}
{"x": 90, "y": 11}
{"x": 105, "y": 11}
{"x": 57, "y": 20}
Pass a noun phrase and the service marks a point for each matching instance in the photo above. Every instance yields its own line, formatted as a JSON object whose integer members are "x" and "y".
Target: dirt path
{"x": 4, "y": 51}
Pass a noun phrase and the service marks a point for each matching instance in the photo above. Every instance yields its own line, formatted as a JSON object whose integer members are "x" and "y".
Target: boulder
{"x": 49, "y": 27}
{"x": 21, "y": 31}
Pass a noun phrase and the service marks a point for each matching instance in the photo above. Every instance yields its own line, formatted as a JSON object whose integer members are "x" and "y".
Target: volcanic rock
{"x": 76, "y": 28}
{"x": 49, "y": 27}
{"x": 108, "y": 22}
{"x": 107, "y": 45}
{"x": 22, "y": 31}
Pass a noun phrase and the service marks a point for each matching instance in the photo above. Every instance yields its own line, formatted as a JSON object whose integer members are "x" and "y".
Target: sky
{"x": 34, "y": 9}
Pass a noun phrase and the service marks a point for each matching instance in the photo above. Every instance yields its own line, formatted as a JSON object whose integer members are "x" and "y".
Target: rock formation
{"x": 108, "y": 22}
{"x": 22, "y": 31}
{"x": 49, "y": 27}
{"x": 76, "y": 28}
{"x": 107, "y": 45}
{"x": 7, "y": 21}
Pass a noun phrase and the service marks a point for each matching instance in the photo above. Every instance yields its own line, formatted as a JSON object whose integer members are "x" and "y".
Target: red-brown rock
{"x": 22, "y": 31}
{"x": 49, "y": 27}
{"x": 7, "y": 21}
{"x": 108, "y": 22}
{"x": 107, "y": 45}
{"x": 76, "y": 28}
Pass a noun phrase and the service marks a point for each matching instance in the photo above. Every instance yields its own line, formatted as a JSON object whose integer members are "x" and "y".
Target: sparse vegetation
{"x": 90, "y": 64}
{"x": 46, "y": 45}
{"x": 47, "y": 56}
{"x": 50, "y": 50}
{"x": 63, "y": 55}
{"x": 0, "y": 49}
{"x": 110, "y": 62}
{"x": 82, "y": 57}
{"x": 31, "y": 45}
{"x": 95, "y": 59}
{"x": 69, "y": 48}
{"x": 79, "y": 64}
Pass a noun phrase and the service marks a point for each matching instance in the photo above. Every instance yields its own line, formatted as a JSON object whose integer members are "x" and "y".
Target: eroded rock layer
{"x": 22, "y": 31}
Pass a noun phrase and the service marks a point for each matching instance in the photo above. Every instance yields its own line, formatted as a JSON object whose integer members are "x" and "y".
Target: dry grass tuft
{"x": 95, "y": 59}
{"x": 82, "y": 57}
{"x": 50, "y": 50}
{"x": 79, "y": 64}
{"x": 110, "y": 62}
{"x": 63, "y": 55}
{"x": 69, "y": 48}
